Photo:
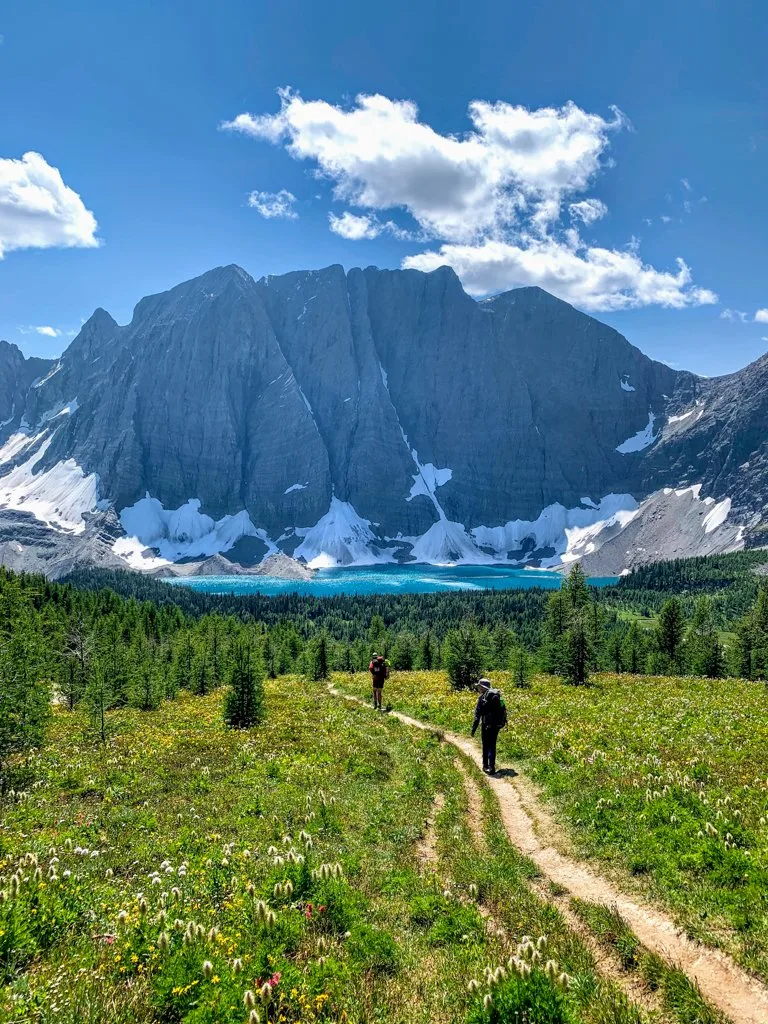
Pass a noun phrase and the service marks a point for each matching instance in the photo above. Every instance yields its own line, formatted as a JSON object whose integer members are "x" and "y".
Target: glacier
{"x": 184, "y": 532}
{"x": 567, "y": 531}
{"x": 340, "y": 537}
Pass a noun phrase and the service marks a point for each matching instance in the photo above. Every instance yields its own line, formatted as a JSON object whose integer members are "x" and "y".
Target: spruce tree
{"x": 705, "y": 649}
{"x": 463, "y": 656}
{"x": 426, "y": 657}
{"x": 520, "y": 666}
{"x": 244, "y": 705}
{"x": 318, "y": 658}
{"x": 669, "y": 632}
{"x": 25, "y": 695}
{"x": 578, "y": 651}
{"x": 403, "y": 652}
{"x": 552, "y": 654}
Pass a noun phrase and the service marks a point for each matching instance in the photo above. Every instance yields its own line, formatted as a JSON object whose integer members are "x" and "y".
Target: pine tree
{"x": 317, "y": 668}
{"x": 632, "y": 650}
{"x": 577, "y": 648}
{"x": 25, "y": 695}
{"x": 705, "y": 650}
{"x": 244, "y": 705}
{"x": 520, "y": 666}
{"x": 426, "y": 657}
{"x": 98, "y": 698}
{"x": 669, "y": 632}
{"x": 463, "y": 656}
{"x": 552, "y": 654}
{"x": 742, "y": 658}
{"x": 576, "y": 589}
{"x": 403, "y": 652}
{"x": 614, "y": 651}
{"x": 201, "y": 674}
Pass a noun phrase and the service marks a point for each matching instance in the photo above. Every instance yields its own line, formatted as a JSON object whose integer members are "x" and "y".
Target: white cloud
{"x": 736, "y": 315}
{"x": 38, "y": 211}
{"x": 48, "y": 332}
{"x": 686, "y": 184}
{"x": 588, "y": 210}
{"x": 353, "y": 227}
{"x": 350, "y": 226}
{"x": 588, "y": 276}
{"x": 491, "y": 200}
{"x": 761, "y": 316}
{"x": 380, "y": 156}
{"x": 274, "y": 204}
{"x": 666, "y": 219}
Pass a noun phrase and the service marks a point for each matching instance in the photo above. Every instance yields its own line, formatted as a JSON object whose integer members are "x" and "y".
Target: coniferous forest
{"x": 108, "y": 640}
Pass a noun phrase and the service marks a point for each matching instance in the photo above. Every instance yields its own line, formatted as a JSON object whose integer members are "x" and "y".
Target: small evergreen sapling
{"x": 244, "y": 705}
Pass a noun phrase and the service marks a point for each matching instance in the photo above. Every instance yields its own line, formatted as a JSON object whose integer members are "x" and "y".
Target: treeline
{"x": 685, "y": 639}
{"x": 731, "y": 580}
{"x": 345, "y": 617}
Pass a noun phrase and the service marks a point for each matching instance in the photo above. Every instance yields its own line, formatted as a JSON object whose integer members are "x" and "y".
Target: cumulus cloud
{"x": 38, "y": 211}
{"x": 490, "y": 201}
{"x": 354, "y": 227}
{"x": 591, "y": 277}
{"x": 274, "y": 204}
{"x": 761, "y": 316}
{"x": 380, "y": 156}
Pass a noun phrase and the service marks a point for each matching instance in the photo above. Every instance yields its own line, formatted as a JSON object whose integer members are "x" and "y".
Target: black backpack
{"x": 495, "y": 710}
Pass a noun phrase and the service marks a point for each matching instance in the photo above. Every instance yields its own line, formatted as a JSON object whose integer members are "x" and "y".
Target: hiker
{"x": 491, "y": 711}
{"x": 379, "y": 669}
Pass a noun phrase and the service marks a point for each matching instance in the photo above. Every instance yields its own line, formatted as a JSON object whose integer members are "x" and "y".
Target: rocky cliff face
{"x": 363, "y": 416}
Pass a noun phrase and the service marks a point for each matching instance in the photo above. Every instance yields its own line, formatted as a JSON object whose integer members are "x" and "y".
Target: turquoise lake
{"x": 384, "y": 579}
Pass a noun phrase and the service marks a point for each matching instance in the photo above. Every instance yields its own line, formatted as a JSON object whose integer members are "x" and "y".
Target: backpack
{"x": 495, "y": 710}
{"x": 379, "y": 670}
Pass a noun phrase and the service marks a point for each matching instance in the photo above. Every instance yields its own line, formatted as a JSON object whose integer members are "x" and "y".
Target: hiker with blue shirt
{"x": 491, "y": 715}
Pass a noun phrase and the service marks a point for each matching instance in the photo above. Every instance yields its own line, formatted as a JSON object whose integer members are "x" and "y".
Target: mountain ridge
{"x": 369, "y": 415}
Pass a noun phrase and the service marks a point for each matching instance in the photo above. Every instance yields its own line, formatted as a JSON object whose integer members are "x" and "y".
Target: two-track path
{"x": 722, "y": 982}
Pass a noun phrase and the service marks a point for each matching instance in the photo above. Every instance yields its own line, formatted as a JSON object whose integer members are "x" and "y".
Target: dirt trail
{"x": 426, "y": 848}
{"x": 722, "y": 982}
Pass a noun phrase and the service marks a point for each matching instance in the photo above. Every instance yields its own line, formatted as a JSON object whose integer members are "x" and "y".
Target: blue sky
{"x": 586, "y": 147}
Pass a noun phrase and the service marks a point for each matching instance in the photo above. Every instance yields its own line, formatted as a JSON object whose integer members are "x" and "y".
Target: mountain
{"x": 368, "y": 416}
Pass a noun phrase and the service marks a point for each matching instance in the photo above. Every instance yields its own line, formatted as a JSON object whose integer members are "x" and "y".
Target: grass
{"x": 679, "y": 995}
{"x": 664, "y": 780}
{"x": 184, "y": 872}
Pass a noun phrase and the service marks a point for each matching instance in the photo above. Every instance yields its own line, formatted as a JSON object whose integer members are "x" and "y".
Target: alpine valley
{"x": 364, "y": 417}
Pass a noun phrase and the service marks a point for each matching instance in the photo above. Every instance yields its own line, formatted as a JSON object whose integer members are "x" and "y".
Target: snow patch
{"x": 570, "y": 532}
{"x": 625, "y": 385}
{"x": 428, "y": 479}
{"x": 642, "y": 439}
{"x": 717, "y": 515}
{"x": 57, "y": 496}
{"x": 296, "y": 487}
{"x": 447, "y": 543}
{"x": 44, "y": 380}
{"x": 340, "y": 537}
{"x": 699, "y": 407}
{"x": 62, "y": 409}
{"x": 185, "y": 532}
